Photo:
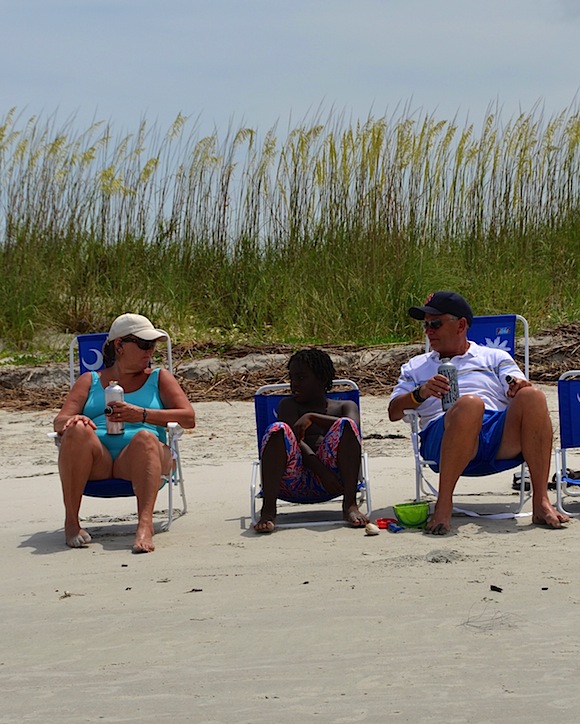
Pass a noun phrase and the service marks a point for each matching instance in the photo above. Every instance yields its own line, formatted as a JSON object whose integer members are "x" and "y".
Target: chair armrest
{"x": 174, "y": 431}
{"x": 412, "y": 418}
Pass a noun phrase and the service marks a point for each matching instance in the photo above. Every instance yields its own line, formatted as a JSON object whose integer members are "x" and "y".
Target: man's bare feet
{"x": 144, "y": 540}
{"x": 76, "y": 537}
{"x": 354, "y": 517}
{"x": 265, "y": 524}
{"x": 440, "y": 522}
{"x": 437, "y": 528}
{"x": 545, "y": 514}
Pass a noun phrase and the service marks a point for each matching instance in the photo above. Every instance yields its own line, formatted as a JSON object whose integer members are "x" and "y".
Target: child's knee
{"x": 348, "y": 434}
{"x": 348, "y": 427}
{"x": 276, "y": 435}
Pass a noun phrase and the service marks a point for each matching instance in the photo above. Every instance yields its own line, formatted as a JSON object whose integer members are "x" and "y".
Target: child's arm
{"x": 288, "y": 411}
{"x": 324, "y": 422}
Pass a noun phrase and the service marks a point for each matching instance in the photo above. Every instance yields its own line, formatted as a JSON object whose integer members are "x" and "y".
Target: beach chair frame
{"x": 569, "y": 418}
{"x": 488, "y": 330}
{"x": 266, "y": 401}
{"x": 86, "y": 355}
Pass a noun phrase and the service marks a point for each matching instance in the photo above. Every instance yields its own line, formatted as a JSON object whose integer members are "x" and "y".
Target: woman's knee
{"x": 144, "y": 452}
{"x": 146, "y": 442}
{"x": 78, "y": 436}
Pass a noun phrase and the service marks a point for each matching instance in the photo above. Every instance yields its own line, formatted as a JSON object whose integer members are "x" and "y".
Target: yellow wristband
{"x": 416, "y": 395}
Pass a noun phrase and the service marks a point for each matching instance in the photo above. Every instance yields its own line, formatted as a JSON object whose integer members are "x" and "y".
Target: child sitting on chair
{"x": 313, "y": 452}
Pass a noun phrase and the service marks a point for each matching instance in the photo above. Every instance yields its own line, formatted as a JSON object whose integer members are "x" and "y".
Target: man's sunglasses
{"x": 435, "y": 323}
{"x": 432, "y": 324}
{"x": 141, "y": 343}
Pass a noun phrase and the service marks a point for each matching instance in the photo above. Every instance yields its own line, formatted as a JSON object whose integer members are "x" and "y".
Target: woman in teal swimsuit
{"x": 152, "y": 399}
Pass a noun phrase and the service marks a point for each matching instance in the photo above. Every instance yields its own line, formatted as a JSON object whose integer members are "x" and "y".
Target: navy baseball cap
{"x": 444, "y": 303}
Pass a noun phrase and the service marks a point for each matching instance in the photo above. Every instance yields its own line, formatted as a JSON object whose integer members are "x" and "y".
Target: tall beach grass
{"x": 326, "y": 234}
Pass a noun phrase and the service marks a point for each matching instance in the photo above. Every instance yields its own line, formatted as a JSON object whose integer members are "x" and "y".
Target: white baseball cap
{"x": 135, "y": 324}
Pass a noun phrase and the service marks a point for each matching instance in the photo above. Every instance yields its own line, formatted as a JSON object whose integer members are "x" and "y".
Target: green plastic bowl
{"x": 412, "y": 515}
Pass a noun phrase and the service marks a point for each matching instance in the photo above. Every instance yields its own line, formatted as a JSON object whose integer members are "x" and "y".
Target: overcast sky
{"x": 255, "y": 62}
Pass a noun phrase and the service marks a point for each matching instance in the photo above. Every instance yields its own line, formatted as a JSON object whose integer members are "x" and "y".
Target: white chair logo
{"x": 497, "y": 343}
{"x": 97, "y": 364}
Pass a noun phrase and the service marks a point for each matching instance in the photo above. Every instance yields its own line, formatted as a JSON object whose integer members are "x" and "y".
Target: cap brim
{"x": 147, "y": 334}
{"x": 420, "y": 312}
{"x": 150, "y": 334}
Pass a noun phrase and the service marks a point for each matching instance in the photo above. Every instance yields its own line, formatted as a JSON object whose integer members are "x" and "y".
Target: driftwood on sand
{"x": 236, "y": 373}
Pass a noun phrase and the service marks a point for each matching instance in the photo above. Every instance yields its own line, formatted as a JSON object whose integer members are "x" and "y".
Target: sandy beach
{"x": 307, "y": 624}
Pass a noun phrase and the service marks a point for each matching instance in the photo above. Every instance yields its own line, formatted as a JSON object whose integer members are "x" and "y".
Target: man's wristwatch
{"x": 416, "y": 395}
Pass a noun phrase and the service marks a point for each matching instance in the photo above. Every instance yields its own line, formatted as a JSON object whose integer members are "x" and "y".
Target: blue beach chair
{"x": 266, "y": 401}
{"x": 569, "y": 416}
{"x": 490, "y": 331}
{"x": 86, "y": 355}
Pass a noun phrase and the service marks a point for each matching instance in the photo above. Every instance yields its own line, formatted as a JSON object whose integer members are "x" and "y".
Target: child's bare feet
{"x": 265, "y": 524}
{"x": 354, "y": 517}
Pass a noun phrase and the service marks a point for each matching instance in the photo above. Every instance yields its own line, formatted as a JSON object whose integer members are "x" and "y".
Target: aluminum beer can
{"x": 450, "y": 371}
{"x": 113, "y": 393}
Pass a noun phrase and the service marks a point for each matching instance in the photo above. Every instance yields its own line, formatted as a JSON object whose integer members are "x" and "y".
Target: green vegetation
{"x": 325, "y": 236}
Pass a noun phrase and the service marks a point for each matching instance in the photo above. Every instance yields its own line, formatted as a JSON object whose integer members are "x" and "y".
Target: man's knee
{"x": 530, "y": 397}
{"x": 467, "y": 410}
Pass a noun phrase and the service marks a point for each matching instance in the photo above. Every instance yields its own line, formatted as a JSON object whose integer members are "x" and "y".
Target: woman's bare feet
{"x": 144, "y": 539}
{"x": 354, "y": 517}
{"x": 76, "y": 537}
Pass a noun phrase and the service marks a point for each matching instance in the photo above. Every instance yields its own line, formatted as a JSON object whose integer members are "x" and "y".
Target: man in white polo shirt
{"x": 493, "y": 425}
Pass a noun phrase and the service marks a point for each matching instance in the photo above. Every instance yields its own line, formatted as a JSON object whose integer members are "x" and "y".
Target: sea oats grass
{"x": 325, "y": 235}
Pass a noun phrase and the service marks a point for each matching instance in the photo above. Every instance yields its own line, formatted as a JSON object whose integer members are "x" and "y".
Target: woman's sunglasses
{"x": 141, "y": 343}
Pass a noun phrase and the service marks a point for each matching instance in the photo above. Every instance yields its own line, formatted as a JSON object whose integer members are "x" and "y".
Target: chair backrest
{"x": 499, "y": 330}
{"x": 268, "y": 397}
{"x": 90, "y": 354}
{"x": 569, "y": 409}
{"x": 85, "y": 354}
